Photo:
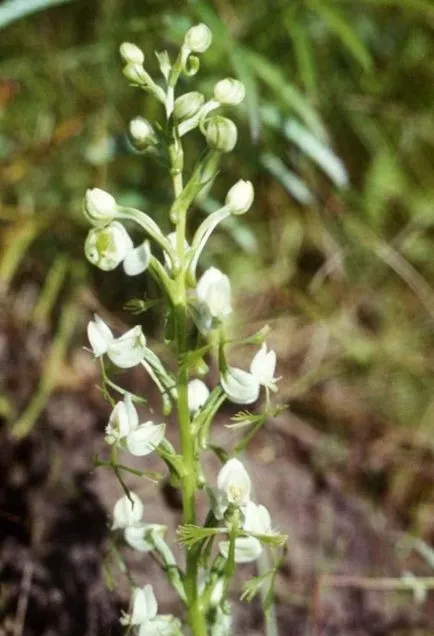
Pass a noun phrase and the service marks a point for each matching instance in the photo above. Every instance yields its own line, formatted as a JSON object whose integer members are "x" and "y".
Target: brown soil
{"x": 54, "y": 525}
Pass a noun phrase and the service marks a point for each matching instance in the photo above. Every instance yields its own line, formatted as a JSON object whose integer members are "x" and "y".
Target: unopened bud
{"x": 188, "y": 105}
{"x": 99, "y": 207}
{"x": 135, "y": 74}
{"x": 240, "y": 197}
{"x": 229, "y": 91}
{"x": 141, "y": 133}
{"x": 198, "y": 38}
{"x": 221, "y": 133}
{"x": 131, "y": 54}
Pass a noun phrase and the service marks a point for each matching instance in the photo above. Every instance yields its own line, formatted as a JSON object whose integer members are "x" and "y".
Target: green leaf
{"x": 287, "y": 178}
{"x": 339, "y": 24}
{"x": 273, "y": 77}
{"x": 313, "y": 147}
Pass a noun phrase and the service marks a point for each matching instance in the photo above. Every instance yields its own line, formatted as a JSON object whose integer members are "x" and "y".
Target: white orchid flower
{"x": 127, "y": 511}
{"x": 233, "y": 480}
{"x": 240, "y": 386}
{"x": 125, "y": 351}
{"x": 144, "y": 615}
{"x": 108, "y": 246}
{"x": 263, "y": 367}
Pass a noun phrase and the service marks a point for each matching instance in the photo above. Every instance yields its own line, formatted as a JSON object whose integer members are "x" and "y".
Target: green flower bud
{"x": 141, "y": 134}
{"x": 240, "y": 197}
{"x": 229, "y": 91}
{"x": 131, "y": 54}
{"x": 198, "y": 38}
{"x": 188, "y": 105}
{"x": 107, "y": 247}
{"x": 135, "y": 74}
{"x": 221, "y": 133}
{"x": 99, "y": 207}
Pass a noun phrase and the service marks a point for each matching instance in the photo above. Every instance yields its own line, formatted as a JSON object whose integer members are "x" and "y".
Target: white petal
{"x": 145, "y": 438}
{"x": 247, "y": 549}
{"x": 139, "y": 537}
{"x": 263, "y": 366}
{"x": 198, "y": 394}
{"x": 129, "y": 349}
{"x": 233, "y": 479}
{"x": 137, "y": 260}
{"x": 100, "y": 336}
{"x": 127, "y": 511}
{"x": 240, "y": 386}
{"x": 123, "y": 419}
{"x": 107, "y": 247}
{"x": 214, "y": 290}
{"x": 144, "y": 605}
{"x": 257, "y": 519}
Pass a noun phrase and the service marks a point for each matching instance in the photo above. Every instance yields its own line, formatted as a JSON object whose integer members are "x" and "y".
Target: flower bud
{"x": 131, "y": 54}
{"x": 135, "y": 74}
{"x": 240, "y": 386}
{"x": 107, "y": 247}
{"x": 188, "y": 105}
{"x": 141, "y": 134}
{"x": 198, "y": 394}
{"x": 240, "y": 197}
{"x": 221, "y": 133}
{"x": 214, "y": 291}
{"x": 198, "y": 38}
{"x": 99, "y": 207}
{"x": 229, "y": 91}
{"x": 127, "y": 511}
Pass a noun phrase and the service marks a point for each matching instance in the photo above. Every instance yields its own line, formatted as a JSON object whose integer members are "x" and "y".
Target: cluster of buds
{"x": 198, "y": 310}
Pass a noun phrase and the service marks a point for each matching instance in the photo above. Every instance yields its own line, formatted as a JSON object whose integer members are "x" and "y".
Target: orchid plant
{"x": 236, "y": 529}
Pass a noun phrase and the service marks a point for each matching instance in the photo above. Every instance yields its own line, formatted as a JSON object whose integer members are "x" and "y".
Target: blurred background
{"x": 337, "y": 135}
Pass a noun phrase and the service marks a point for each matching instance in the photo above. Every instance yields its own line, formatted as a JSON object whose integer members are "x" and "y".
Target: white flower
{"x": 131, "y": 54}
{"x": 198, "y": 38}
{"x": 128, "y": 511}
{"x": 129, "y": 349}
{"x": 137, "y": 259}
{"x": 257, "y": 519}
{"x": 229, "y": 91}
{"x": 99, "y": 207}
{"x": 144, "y": 615}
{"x": 240, "y": 386}
{"x": 145, "y": 438}
{"x": 234, "y": 481}
{"x": 263, "y": 367}
{"x": 247, "y": 549}
{"x": 140, "y": 537}
{"x": 214, "y": 291}
{"x": 123, "y": 419}
{"x": 240, "y": 197}
{"x": 141, "y": 133}
{"x": 221, "y": 133}
{"x": 100, "y": 336}
{"x": 125, "y": 351}
{"x": 198, "y": 394}
{"x": 107, "y": 247}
